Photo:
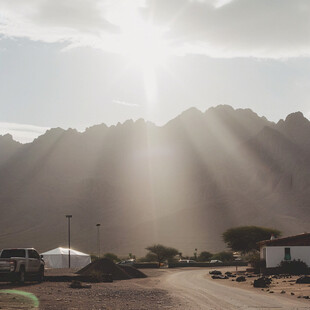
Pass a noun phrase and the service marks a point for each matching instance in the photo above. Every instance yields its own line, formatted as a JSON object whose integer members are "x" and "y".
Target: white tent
{"x": 59, "y": 258}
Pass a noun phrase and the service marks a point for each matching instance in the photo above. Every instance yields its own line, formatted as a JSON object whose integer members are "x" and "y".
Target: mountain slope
{"x": 182, "y": 184}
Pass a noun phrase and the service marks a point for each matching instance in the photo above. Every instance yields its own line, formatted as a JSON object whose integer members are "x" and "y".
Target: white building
{"x": 285, "y": 249}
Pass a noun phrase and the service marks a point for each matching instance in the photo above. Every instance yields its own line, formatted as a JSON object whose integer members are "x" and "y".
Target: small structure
{"x": 59, "y": 258}
{"x": 275, "y": 250}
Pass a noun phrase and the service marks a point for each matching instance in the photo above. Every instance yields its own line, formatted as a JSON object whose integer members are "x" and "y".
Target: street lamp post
{"x": 69, "y": 216}
{"x": 98, "y": 239}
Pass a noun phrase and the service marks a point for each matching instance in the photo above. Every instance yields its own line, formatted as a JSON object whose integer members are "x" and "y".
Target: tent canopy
{"x": 59, "y": 258}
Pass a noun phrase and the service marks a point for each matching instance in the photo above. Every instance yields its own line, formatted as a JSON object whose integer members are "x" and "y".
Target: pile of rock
{"x": 262, "y": 282}
{"x": 216, "y": 274}
{"x": 303, "y": 280}
{"x": 104, "y": 270}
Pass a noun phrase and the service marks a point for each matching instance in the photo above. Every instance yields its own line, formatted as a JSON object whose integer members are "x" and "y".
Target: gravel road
{"x": 198, "y": 292}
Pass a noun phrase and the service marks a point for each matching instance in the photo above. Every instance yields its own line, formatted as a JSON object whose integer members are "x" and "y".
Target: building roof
{"x": 297, "y": 240}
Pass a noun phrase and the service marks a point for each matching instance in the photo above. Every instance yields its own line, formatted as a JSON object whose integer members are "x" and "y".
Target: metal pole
{"x": 98, "y": 239}
{"x": 69, "y": 256}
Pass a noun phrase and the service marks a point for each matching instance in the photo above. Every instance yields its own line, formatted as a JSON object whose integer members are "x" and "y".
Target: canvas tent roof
{"x": 64, "y": 251}
{"x": 59, "y": 258}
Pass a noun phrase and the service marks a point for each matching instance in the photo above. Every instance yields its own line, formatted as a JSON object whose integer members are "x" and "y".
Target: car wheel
{"x": 21, "y": 276}
{"x": 41, "y": 275}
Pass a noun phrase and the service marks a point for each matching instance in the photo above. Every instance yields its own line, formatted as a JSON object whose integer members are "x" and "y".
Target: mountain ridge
{"x": 181, "y": 184}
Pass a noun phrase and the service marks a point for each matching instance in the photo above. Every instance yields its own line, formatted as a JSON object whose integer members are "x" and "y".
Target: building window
{"x": 287, "y": 254}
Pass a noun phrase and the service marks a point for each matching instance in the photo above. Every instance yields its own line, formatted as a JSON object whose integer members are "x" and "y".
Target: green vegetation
{"x": 245, "y": 238}
{"x": 162, "y": 253}
{"x": 111, "y": 256}
{"x": 93, "y": 257}
{"x": 204, "y": 256}
{"x": 294, "y": 267}
{"x": 148, "y": 258}
{"x": 223, "y": 256}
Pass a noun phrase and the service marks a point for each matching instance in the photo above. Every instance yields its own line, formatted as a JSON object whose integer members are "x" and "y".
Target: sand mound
{"x": 104, "y": 266}
{"x": 132, "y": 271}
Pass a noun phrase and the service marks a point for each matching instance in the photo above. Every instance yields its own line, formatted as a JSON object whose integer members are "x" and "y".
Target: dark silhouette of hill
{"x": 181, "y": 184}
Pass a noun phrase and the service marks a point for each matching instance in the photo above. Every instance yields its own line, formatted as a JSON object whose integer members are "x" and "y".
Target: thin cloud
{"x": 216, "y": 28}
{"x": 126, "y": 103}
{"x": 21, "y": 132}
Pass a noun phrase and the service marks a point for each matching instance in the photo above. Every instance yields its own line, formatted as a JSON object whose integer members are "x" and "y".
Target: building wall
{"x": 275, "y": 254}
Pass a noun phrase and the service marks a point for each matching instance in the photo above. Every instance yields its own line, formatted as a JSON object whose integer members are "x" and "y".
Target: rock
{"x": 262, "y": 282}
{"x": 303, "y": 280}
{"x": 78, "y": 284}
{"x": 241, "y": 279}
{"x": 306, "y": 297}
{"x": 216, "y": 272}
{"x": 219, "y": 277}
{"x": 271, "y": 292}
{"x": 283, "y": 292}
{"x": 86, "y": 286}
{"x": 292, "y": 293}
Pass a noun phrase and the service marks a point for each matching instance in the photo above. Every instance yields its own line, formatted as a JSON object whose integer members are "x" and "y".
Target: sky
{"x": 76, "y": 63}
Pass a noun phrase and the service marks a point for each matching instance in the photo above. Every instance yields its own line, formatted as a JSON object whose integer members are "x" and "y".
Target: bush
{"x": 112, "y": 257}
{"x": 223, "y": 256}
{"x": 294, "y": 267}
{"x": 245, "y": 238}
{"x": 93, "y": 257}
{"x": 204, "y": 256}
{"x": 162, "y": 252}
{"x": 148, "y": 258}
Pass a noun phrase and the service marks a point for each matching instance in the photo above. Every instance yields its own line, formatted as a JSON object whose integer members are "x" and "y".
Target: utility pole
{"x": 98, "y": 239}
{"x": 69, "y": 216}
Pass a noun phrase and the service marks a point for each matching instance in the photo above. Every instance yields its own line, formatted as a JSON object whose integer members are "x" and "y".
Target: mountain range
{"x": 182, "y": 184}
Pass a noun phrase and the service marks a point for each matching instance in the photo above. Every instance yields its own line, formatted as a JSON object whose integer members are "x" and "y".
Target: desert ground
{"x": 180, "y": 288}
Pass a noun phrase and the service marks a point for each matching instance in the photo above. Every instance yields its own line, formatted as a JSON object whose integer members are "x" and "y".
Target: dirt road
{"x": 198, "y": 292}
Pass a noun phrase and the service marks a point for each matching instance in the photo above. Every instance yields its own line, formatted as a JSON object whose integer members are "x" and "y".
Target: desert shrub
{"x": 148, "y": 258}
{"x": 112, "y": 257}
{"x": 204, "y": 256}
{"x": 93, "y": 257}
{"x": 223, "y": 256}
{"x": 254, "y": 259}
{"x": 162, "y": 252}
{"x": 294, "y": 267}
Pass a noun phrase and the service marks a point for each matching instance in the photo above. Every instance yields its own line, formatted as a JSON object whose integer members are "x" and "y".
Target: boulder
{"x": 78, "y": 284}
{"x": 241, "y": 279}
{"x": 262, "y": 282}
{"x": 219, "y": 277}
{"x": 217, "y": 272}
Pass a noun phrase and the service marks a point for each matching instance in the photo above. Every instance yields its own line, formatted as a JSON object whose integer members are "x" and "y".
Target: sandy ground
{"x": 284, "y": 286}
{"x": 126, "y": 294}
{"x": 149, "y": 293}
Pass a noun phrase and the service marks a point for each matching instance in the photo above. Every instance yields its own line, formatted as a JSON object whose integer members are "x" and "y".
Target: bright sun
{"x": 142, "y": 43}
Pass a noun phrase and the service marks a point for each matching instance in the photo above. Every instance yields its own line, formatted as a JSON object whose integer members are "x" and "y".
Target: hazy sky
{"x": 76, "y": 63}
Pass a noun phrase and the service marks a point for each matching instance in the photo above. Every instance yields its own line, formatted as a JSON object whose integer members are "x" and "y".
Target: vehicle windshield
{"x": 13, "y": 253}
